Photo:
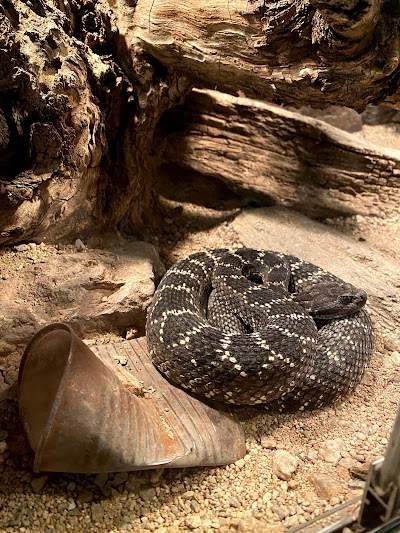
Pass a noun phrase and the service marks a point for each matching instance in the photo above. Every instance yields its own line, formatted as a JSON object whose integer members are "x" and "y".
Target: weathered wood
{"x": 84, "y": 84}
{"x": 76, "y": 122}
{"x": 293, "y": 160}
{"x": 291, "y": 51}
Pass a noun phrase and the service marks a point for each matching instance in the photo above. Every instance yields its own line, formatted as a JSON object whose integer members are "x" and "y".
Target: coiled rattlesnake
{"x": 246, "y": 326}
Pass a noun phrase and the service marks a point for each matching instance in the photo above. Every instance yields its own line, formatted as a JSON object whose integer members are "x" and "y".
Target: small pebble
{"x": 119, "y": 478}
{"x": 96, "y": 512}
{"x": 392, "y": 342}
{"x": 155, "y": 475}
{"x": 234, "y": 502}
{"x": 240, "y": 463}
{"x": 268, "y": 443}
{"x": 331, "y": 450}
{"x": 146, "y": 493}
{"x": 356, "y": 484}
{"x": 79, "y": 246}
{"x": 71, "y": 505}
{"x": 195, "y": 505}
{"x": 326, "y": 486}
{"x": 188, "y": 495}
{"x": 347, "y": 462}
{"x": 101, "y": 479}
{"x": 284, "y": 464}
{"x": 38, "y": 483}
{"x": 193, "y": 522}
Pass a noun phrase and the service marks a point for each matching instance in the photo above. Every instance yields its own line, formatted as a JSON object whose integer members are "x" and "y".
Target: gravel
{"x": 296, "y": 466}
{"x": 246, "y": 496}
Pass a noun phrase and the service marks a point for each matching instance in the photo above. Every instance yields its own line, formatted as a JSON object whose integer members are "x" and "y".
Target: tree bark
{"x": 77, "y": 115}
{"x": 84, "y": 84}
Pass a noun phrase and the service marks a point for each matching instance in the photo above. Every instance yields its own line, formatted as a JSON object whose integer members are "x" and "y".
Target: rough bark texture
{"x": 83, "y": 85}
{"x": 76, "y": 123}
{"x": 291, "y": 51}
{"x": 284, "y": 157}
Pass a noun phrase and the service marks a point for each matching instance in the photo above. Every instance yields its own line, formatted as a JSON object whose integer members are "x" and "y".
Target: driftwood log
{"x": 290, "y": 51}
{"x": 84, "y": 84}
{"x": 283, "y": 157}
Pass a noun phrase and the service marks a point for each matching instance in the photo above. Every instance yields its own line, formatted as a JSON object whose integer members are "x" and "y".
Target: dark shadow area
{"x": 187, "y": 186}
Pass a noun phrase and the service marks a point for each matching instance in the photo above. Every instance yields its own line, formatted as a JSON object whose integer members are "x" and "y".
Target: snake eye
{"x": 346, "y": 299}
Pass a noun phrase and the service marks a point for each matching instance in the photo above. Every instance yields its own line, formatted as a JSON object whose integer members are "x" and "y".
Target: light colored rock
{"x": 291, "y": 521}
{"x": 195, "y": 506}
{"x": 326, "y": 486}
{"x": 234, "y": 502}
{"x": 284, "y": 464}
{"x": 188, "y": 495}
{"x": 268, "y": 442}
{"x": 331, "y": 450}
{"x": 347, "y": 462}
{"x": 71, "y": 505}
{"x": 281, "y": 511}
{"x": 392, "y": 342}
{"x": 356, "y": 484}
{"x": 240, "y": 463}
{"x": 70, "y": 288}
{"x": 193, "y": 522}
{"x": 79, "y": 245}
{"x": 21, "y": 248}
{"x": 312, "y": 455}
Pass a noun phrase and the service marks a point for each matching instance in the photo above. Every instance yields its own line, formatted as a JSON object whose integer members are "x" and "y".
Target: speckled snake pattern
{"x": 246, "y": 326}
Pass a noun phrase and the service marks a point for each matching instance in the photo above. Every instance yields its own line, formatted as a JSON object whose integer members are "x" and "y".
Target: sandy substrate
{"x": 296, "y": 466}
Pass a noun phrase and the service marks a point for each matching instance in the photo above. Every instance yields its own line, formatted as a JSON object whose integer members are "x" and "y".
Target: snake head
{"x": 329, "y": 299}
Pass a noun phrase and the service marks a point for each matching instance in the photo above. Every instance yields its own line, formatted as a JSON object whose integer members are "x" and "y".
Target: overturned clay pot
{"x": 83, "y": 413}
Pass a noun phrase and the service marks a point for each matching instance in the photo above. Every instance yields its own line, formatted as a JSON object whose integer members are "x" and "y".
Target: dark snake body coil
{"x": 246, "y": 326}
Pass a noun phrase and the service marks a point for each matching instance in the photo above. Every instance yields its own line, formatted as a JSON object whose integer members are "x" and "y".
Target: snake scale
{"x": 246, "y": 326}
